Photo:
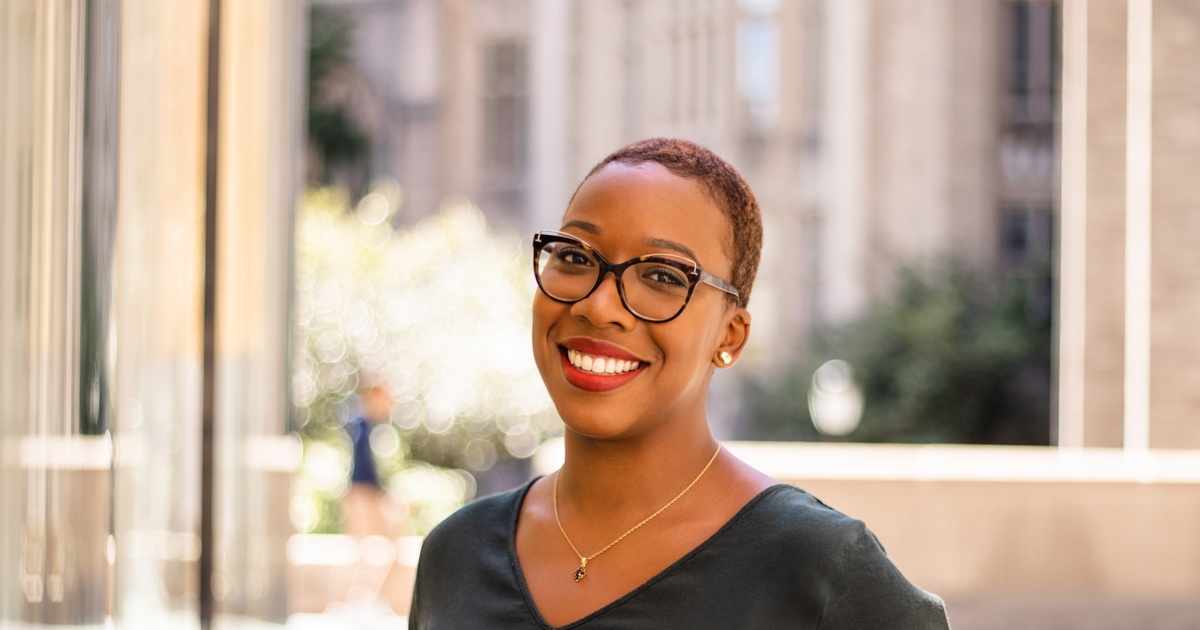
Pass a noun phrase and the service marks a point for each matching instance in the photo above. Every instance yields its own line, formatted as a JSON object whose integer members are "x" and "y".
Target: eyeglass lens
{"x": 652, "y": 289}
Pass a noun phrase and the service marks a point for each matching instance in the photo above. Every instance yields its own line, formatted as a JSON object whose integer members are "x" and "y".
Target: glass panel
{"x": 56, "y": 210}
{"x": 17, "y": 44}
{"x": 101, "y": 309}
{"x": 261, "y": 82}
{"x": 158, "y": 272}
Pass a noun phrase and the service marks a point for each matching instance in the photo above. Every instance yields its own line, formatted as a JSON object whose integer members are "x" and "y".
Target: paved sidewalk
{"x": 1071, "y": 613}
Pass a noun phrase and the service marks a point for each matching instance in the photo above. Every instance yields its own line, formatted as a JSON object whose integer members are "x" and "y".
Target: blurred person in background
{"x": 650, "y": 523}
{"x": 363, "y": 505}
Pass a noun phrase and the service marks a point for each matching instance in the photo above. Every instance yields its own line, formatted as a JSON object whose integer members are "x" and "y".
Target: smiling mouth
{"x": 599, "y": 365}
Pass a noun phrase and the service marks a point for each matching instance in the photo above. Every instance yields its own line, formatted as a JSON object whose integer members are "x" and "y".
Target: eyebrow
{"x": 592, "y": 228}
{"x": 672, "y": 245}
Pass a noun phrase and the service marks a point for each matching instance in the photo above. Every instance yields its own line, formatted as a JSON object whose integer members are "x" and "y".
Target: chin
{"x": 594, "y": 428}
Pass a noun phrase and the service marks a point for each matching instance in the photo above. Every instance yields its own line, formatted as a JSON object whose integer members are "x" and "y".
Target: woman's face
{"x": 625, "y": 211}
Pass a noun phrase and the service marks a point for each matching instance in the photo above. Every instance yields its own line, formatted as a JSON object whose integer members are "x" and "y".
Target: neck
{"x": 607, "y": 477}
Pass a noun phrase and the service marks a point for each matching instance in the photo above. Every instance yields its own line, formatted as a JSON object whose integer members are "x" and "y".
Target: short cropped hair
{"x": 724, "y": 184}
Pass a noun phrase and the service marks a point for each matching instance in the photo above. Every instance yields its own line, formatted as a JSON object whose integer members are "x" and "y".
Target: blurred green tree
{"x": 951, "y": 358}
{"x": 335, "y": 138}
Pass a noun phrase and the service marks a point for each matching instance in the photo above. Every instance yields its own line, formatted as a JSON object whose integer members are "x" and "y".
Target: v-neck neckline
{"x": 523, "y": 586}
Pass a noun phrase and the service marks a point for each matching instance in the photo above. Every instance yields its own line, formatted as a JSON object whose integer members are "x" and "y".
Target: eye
{"x": 665, "y": 277}
{"x": 571, "y": 255}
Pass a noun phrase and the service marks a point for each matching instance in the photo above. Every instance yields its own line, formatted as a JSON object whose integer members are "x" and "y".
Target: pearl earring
{"x": 725, "y": 358}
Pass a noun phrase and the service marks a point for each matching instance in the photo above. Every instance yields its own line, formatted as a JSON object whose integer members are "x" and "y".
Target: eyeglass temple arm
{"x": 719, "y": 283}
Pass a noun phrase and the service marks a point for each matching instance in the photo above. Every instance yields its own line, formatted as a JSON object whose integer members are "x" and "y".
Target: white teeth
{"x": 600, "y": 365}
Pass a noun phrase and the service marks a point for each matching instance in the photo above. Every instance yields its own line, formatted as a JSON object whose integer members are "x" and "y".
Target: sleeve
{"x": 429, "y": 582}
{"x": 870, "y": 592}
{"x": 415, "y": 608}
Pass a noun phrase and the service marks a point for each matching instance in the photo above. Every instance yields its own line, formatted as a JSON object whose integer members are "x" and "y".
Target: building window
{"x": 1026, "y": 234}
{"x": 1026, "y": 151}
{"x": 758, "y": 62}
{"x": 1032, "y": 60}
{"x": 505, "y": 107}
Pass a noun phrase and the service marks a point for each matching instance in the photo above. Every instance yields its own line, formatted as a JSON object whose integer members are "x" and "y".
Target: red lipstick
{"x": 599, "y": 348}
{"x": 597, "y": 383}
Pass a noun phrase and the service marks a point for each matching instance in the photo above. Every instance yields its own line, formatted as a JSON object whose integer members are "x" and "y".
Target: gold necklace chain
{"x": 583, "y": 560}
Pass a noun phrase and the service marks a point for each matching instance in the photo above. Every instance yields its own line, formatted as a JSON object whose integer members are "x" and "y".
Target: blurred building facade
{"x": 875, "y": 134}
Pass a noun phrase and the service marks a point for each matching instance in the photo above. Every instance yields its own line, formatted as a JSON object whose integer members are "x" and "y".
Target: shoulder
{"x": 478, "y": 521}
{"x": 860, "y": 585}
{"x": 798, "y": 521}
{"x": 475, "y": 536}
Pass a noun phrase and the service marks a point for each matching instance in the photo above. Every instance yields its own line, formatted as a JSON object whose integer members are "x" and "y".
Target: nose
{"x": 604, "y": 306}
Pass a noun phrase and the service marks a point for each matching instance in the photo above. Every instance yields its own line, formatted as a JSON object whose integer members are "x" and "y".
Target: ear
{"x": 737, "y": 333}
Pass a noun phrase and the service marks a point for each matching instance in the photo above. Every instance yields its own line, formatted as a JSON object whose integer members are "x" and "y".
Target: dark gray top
{"x": 785, "y": 560}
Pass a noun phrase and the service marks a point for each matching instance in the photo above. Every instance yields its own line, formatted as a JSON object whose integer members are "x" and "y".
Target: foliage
{"x": 334, "y": 136}
{"x": 437, "y": 314}
{"x": 948, "y": 359}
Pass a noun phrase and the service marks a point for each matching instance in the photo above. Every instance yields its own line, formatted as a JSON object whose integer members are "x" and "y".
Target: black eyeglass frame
{"x": 694, "y": 273}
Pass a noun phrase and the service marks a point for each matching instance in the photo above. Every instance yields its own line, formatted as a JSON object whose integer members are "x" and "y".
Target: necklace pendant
{"x": 579, "y": 573}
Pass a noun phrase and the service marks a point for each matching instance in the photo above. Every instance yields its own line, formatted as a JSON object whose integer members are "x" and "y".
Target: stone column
{"x": 1129, "y": 287}
{"x": 1174, "y": 395}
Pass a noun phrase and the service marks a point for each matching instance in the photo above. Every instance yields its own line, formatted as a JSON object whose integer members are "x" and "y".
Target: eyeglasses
{"x": 654, "y": 288}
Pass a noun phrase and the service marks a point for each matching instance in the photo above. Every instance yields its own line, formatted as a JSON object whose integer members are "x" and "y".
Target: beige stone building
{"x": 874, "y": 133}
{"x": 1130, "y": 264}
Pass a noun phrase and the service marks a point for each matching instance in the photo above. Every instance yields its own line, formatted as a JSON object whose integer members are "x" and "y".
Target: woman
{"x": 649, "y": 523}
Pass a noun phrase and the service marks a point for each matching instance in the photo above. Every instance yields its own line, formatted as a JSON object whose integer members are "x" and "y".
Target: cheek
{"x": 539, "y": 346}
{"x": 695, "y": 339}
{"x": 715, "y": 326}
{"x": 545, "y": 313}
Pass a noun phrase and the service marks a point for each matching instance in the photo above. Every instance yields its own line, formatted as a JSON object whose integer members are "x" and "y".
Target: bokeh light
{"x": 437, "y": 313}
{"x": 835, "y": 400}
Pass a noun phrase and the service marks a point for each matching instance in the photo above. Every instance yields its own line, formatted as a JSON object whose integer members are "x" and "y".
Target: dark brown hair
{"x": 724, "y": 184}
